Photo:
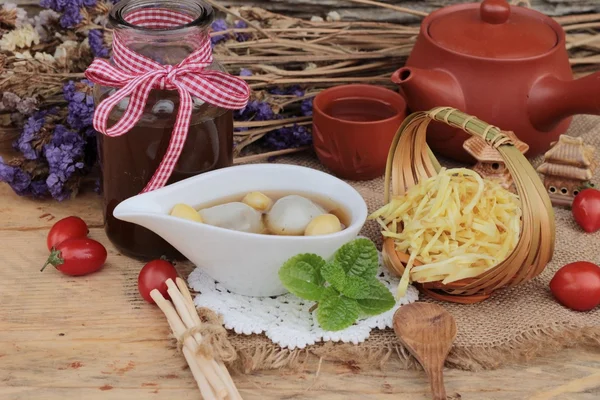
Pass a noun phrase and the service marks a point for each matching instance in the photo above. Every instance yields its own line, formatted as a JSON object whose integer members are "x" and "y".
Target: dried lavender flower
{"x": 70, "y": 18}
{"x": 64, "y": 155}
{"x": 30, "y": 133}
{"x": 294, "y": 90}
{"x": 288, "y": 137}
{"x": 39, "y": 189}
{"x": 81, "y": 104}
{"x": 70, "y": 9}
{"x": 242, "y": 36}
{"x": 217, "y": 26}
{"x": 256, "y": 111}
{"x": 96, "y": 41}
{"x": 307, "y": 107}
{"x": 18, "y": 179}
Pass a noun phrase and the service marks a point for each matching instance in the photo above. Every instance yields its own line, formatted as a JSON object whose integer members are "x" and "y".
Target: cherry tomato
{"x": 77, "y": 256}
{"x": 66, "y": 228}
{"x": 154, "y": 275}
{"x": 586, "y": 210}
{"x": 577, "y": 286}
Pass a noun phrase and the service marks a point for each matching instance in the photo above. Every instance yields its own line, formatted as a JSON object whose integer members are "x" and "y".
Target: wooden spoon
{"x": 427, "y": 331}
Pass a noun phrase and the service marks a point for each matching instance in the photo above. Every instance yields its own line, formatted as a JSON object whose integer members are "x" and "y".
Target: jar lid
{"x": 494, "y": 29}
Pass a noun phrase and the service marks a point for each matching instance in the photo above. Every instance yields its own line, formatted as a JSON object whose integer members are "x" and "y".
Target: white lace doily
{"x": 285, "y": 319}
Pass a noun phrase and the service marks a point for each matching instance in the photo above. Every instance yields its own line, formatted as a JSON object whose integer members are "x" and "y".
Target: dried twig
{"x": 264, "y": 156}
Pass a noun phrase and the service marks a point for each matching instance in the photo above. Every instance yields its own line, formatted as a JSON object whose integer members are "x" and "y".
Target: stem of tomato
{"x": 54, "y": 259}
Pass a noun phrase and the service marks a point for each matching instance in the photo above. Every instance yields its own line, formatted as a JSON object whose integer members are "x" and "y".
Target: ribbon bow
{"x": 137, "y": 75}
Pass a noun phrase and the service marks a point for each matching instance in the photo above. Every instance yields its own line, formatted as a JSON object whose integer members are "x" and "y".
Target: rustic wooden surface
{"x": 64, "y": 338}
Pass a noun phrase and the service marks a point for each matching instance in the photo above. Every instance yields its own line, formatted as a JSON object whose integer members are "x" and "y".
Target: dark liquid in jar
{"x": 129, "y": 161}
{"x": 360, "y": 109}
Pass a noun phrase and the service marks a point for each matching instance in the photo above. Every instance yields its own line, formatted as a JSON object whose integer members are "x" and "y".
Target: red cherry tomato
{"x": 586, "y": 210}
{"x": 577, "y": 286}
{"x": 154, "y": 275}
{"x": 66, "y": 228}
{"x": 77, "y": 257}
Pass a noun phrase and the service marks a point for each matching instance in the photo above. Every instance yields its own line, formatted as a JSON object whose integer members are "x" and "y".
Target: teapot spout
{"x": 428, "y": 88}
{"x": 552, "y": 100}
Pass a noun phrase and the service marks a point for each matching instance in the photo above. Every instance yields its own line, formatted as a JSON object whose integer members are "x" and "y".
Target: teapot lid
{"x": 493, "y": 29}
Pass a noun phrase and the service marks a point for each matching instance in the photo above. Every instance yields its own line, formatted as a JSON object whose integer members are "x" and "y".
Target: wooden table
{"x": 94, "y": 337}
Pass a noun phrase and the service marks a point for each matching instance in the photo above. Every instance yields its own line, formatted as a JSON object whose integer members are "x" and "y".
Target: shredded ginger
{"x": 453, "y": 226}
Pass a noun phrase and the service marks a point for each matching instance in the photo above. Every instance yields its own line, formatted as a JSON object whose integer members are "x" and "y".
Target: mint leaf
{"x": 335, "y": 311}
{"x": 359, "y": 258}
{"x": 377, "y": 300}
{"x": 301, "y": 276}
{"x": 333, "y": 273}
{"x": 355, "y": 287}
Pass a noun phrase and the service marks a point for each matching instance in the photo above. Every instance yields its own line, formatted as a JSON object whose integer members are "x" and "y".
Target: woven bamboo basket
{"x": 410, "y": 160}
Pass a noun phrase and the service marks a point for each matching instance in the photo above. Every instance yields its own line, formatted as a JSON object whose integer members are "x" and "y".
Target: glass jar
{"x": 129, "y": 161}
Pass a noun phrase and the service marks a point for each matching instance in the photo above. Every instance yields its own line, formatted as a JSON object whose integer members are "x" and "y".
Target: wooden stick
{"x": 205, "y": 388}
{"x": 189, "y": 300}
{"x": 220, "y": 368}
{"x": 178, "y": 329}
{"x": 218, "y": 385}
{"x": 223, "y": 372}
{"x": 182, "y": 298}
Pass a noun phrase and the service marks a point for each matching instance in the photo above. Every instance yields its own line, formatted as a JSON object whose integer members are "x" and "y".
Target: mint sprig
{"x": 301, "y": 275}
{"x": 345, "y": 288}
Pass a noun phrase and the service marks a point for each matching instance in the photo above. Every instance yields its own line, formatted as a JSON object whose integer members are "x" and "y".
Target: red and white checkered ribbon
{"x": 137, "y": 75}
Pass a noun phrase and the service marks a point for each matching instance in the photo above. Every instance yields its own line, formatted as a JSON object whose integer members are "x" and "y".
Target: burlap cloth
{"x": 514, "y": 324}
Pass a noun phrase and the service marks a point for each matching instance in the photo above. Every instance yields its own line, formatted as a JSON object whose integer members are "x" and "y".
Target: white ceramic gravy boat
{"x": 245, "y": 263}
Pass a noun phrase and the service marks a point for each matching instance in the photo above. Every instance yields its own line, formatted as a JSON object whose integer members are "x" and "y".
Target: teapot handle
{"x": 494, "y": 11}
{"x": 551, "y": 100}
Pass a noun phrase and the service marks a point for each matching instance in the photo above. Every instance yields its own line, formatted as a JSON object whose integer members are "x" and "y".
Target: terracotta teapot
{"x": 507, "y": 65}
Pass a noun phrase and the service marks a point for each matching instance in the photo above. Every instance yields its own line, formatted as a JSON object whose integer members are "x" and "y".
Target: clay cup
{"x": 353, "y": 128}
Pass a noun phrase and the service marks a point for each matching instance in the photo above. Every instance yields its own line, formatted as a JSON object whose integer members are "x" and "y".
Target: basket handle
{"x": 415, "y": 151}
{"x": 491, "y": 134}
